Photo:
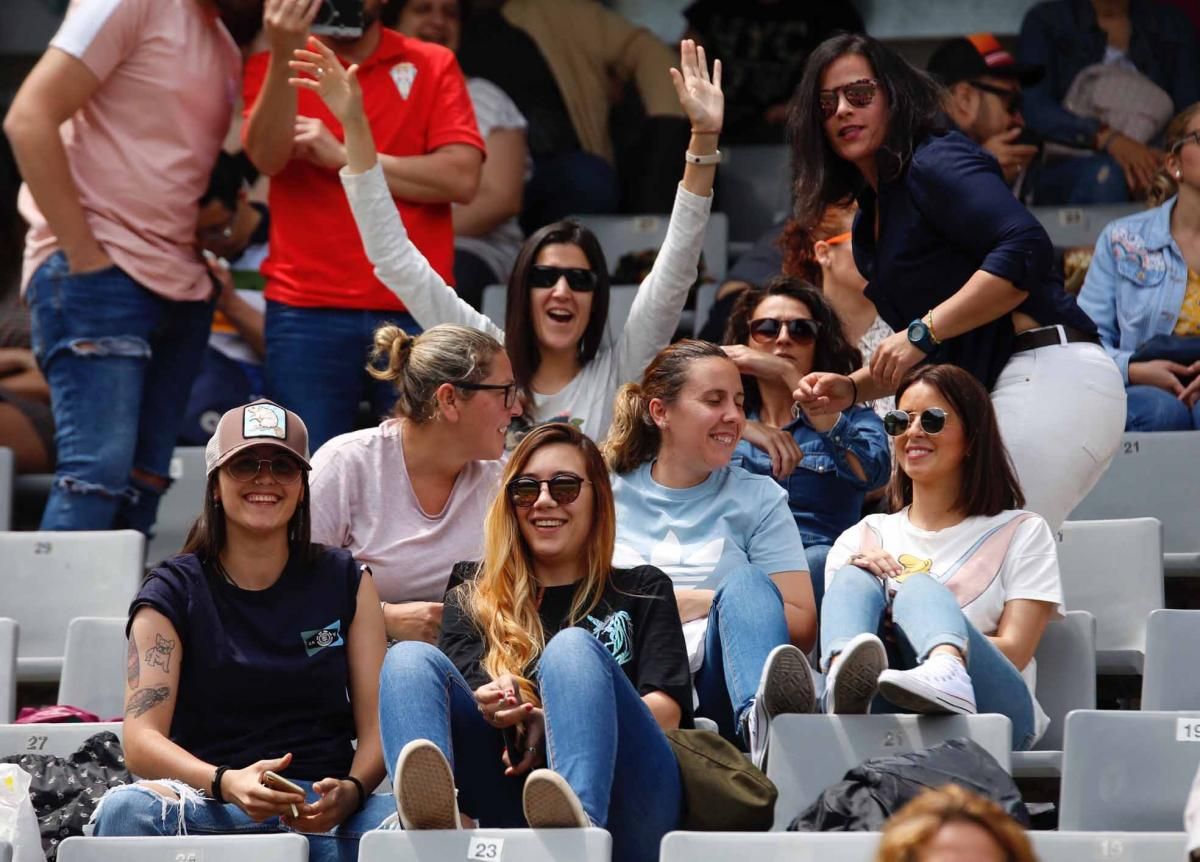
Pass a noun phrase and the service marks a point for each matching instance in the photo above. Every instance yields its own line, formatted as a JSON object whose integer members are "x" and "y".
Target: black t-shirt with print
{"x": 637, "y": 620}
{"x": 264, "y": 672}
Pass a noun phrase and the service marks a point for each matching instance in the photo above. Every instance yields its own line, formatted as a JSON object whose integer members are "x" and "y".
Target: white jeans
{"x": 1061, "y": 411}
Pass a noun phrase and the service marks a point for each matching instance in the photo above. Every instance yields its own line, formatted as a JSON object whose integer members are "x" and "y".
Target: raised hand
{"x": 324, "y": 74}
{"x": 699, "y": 95}
{"x": 286, "y": 23}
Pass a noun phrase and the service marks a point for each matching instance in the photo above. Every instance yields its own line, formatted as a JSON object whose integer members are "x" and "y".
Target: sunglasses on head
{"x": 509, "y": 389}
{"x": 933, "y": 420}
{"x": 579, "y": 280}
{"x": 1013, "y": 99}
{"x": 564, "y": 488}
{"x": 801, "y": 329}
{"x": 284, "y": 468}
{"x": 858, "y": 93}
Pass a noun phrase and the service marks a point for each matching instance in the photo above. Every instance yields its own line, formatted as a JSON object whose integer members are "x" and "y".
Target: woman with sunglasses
{"x": 1143, "y": 291}
{"x": 969, "y": 577}
{"x": 955, "y": 265}
{"x": 566, "y": 369}
{"x": 723, "y": 534}
{"x": 407, "y": 498}
{"x": 253, "y": 652}
{"x": 777, "y": 335}
{"x": 551, "y": 653}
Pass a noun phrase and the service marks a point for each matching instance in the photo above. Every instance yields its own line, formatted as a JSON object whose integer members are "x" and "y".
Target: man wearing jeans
{"x": 143, "y": 91}
{"x": 323, "y": 300}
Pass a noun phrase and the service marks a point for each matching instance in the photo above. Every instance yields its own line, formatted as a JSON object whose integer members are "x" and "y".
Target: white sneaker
{"x": 786, "y": 686}
{"x": 550, "y": 803}
{"x": 854, "y": 678}
{"x": 424, "y": 788}
{"x": 941, "y": 684}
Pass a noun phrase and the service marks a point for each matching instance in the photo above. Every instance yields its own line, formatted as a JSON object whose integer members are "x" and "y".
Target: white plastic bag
{"x": 18, "y": 823}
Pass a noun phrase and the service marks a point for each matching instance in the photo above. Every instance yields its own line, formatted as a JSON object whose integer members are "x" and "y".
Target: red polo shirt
{"x": 416, "y": 101}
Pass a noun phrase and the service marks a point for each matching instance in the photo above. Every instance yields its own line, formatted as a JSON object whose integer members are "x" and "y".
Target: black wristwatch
{"x": 920, "y": 335}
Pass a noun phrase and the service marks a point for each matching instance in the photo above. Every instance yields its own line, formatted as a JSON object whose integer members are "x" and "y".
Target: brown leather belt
{"x": 1044, "y": 336}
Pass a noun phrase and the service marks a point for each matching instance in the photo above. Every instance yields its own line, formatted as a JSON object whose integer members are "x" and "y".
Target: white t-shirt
{"x": 984, "y": 561}
{"x": 362, "y": 500}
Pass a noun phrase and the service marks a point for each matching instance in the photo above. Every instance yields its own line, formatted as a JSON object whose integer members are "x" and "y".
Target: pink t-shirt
{"x": 362, "y": 500}
{"x": 142, "y": 148}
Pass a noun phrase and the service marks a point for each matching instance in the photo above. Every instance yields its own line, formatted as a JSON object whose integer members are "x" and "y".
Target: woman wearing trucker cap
{"x": 242, "y": 651}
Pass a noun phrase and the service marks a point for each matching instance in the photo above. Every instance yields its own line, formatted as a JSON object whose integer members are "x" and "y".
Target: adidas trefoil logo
{"x": 688, "y": 565}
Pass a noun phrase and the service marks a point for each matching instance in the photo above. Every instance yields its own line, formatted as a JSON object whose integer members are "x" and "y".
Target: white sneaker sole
{"x": 787, "y": 685}
{"x": 905, "y": 692}
{"x": 550, "y": 803}
{"x": 424, "y": 788}
{"x": 856, "y": 676}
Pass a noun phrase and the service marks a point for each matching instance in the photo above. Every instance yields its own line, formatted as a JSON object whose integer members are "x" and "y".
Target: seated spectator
{"x": 724, "y": 535}
{"x": 408, "y": 497}
{"x": 565, "y": 368}
{"x": 959, "y": 580}
{"x": 1144, "y": 293}
{"x": 548, "y": 638}
{"x": 984, "y": 96}
{"x": 1116, "y": 70}
{"x": 253, "y": 651}
{"x": 952, "y": 824}
{"x": 487, "y": 236}
{"x": 775, "y": 337}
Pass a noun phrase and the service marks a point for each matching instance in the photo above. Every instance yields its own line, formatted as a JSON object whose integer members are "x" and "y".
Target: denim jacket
{"x": 1135, "y": 286}
{"x": 824, "y": 494}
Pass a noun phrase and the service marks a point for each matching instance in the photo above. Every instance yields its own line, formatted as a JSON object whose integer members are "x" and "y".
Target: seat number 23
{"x": 485, "y": 850}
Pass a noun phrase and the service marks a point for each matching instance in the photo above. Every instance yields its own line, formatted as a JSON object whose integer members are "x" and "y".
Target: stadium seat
{"x": 180, "y": 505}
{"x": 527, "y": 845}
{"x": 1072, "y": 226}
{"x": 186, "y": 848}
{"x": 1066, "y": 680}
{"x": 51, "y": 578}
{"x": 1107, "y": 846}
{"x": 1172, "y": 680}
{"x": 620, "y": 301}
{"x": 810, "y": 752}
{"x": 10, "y": 632}
{"x": 1128, "y": 771}
{"x": 7, "y": 472}
{"x": 1145, "y": 479}
{"x": 754, "y": 189}
{"x": 59, "y": 739}
{"x": 706, "y": 296}
{"x": 1114, "y": 570}
{"x": 93, "y": 674}
{"x": 624, "y": 234}
{"x": 769, "y": 847}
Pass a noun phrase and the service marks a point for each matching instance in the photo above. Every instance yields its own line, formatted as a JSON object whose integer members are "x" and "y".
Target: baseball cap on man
{"x": 976, "y": 56}
{"x": 261, "y": 423}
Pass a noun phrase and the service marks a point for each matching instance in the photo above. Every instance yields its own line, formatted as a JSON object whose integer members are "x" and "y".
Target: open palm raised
{"x": 328, "y": 78}
{"x": 699, "y": 95}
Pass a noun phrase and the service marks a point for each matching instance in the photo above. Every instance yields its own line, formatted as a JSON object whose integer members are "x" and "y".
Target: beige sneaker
{"x": 550, "y": 803}
{"x": 424, "y": 788}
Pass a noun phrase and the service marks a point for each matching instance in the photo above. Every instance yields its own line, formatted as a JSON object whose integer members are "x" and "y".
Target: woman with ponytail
{"x": 407, "y": 498}
{"x": 724, "y": 535}
{"x": 1143, "y": 291}
{"x": 582, "y": 662}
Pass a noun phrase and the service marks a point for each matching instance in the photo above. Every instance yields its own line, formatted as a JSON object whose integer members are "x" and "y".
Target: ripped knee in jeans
{"x": 169, "y": 793}
{"x": 129, "y": 346}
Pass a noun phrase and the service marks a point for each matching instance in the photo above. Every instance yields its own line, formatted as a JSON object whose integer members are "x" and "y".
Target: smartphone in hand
{"x": 512, "y": 735}
{"x": 275, "y": 781}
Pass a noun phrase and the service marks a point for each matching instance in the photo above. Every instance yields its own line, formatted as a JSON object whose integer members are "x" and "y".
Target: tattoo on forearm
{"x": 133, "y": 664}
{"x": 160, "y": 653}
{"x": 145, "y": 699}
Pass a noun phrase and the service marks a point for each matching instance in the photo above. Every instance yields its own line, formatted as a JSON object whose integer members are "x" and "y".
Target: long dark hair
{"x": 819, "y": 176}
{"x": 989, "y": 482}
{"x": 832, "y": 351}
{"x": 520, "y": 340}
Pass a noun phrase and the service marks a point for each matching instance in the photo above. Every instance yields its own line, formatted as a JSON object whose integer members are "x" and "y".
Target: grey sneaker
{"x": 854, "y": 678}
{"x": 786, "y": 686}
{"x": 424, "y": 788}
{"x": 550, "y": 803}
{"x": 939, "y": 685}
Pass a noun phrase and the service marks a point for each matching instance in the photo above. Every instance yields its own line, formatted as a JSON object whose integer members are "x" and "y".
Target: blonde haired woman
{"x": 585, "y": 662}
{"x": 407, "y": 498}
{"x": 950, "y": 824}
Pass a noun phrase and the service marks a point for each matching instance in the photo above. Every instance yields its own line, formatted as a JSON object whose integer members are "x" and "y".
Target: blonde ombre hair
{"x": 503, "y": 598}
{"x": 909, "y": 832}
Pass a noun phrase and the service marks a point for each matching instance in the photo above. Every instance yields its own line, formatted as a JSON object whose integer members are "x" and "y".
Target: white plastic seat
{"x": 1080, "y": 225}
{"x": 622, "y": 234}
{"x": 1172, "y": 678}
{"x": 769, "y": 847}
{"x": 187, "y": 848}
{"x": 59, "y": 739}
{"x": 810, "y": 752}
{"x": 181, "y": 505}
{"x": 1114, "y": 570}
{"x": 10, "y": 634}
{"x": 93, "y": 676}
{"x": 526, "y": 845}
{"x": 1107, "y": 846}
{"x": 50, "y": 578}
{"x": 754, "y": 188}
{"x": 7, "y": 472}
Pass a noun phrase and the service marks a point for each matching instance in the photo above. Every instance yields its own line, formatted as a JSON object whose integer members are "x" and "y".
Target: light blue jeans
{"x": 135, "y": 810}
{"x": 925, "y": 614}
{"x": 600, "y": 737}
{"x": 746, "y": 622}
{"x": 1148, "y": 408}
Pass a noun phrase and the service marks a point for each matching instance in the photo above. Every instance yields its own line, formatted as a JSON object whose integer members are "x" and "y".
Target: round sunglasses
{"x": 564, "y": 488}
{"x": 932, "y": 419}
{"x": 578, "y": 280}
{"x": 802, "y": 330}
{"x": 859, "y": 94}
{"x": 284, "y": 468}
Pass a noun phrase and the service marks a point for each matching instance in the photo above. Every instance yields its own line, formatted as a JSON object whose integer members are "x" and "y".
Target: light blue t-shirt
{"x": 696, "y": 535}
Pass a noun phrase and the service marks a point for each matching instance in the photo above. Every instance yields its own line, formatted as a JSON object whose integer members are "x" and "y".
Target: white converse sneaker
{"x": 786, "y": 686}
{"x": 854, "y": 678}
{"x": 941, "y": 684}
{"x": 424, "y": 788}
{"x": 550, "y": 803}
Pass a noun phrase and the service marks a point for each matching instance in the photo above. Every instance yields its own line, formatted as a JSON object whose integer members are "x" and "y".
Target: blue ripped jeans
{"x": 600, "y": 737}
{"x": 120, "y": 361}
{"x": 135, "y": 810}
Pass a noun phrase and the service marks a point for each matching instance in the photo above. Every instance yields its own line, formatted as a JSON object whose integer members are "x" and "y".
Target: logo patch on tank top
{"x": 317, "y": 639}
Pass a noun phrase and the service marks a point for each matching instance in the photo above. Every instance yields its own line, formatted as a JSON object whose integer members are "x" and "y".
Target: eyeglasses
{"x": 858, "y": 93}
{"x": 579, "y": 280}
{"x": 801, "y": 330}
{"x": 933, "y": 421}
{"x": 1013, "y": 99}
{"x": 284, "y": 469}
{"x": 564, "y": 488}
{"x": 510, "y": 390}
{"x": 1189, "y": 138}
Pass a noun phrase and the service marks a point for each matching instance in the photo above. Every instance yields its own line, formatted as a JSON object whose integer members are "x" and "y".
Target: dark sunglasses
{"x": 509, "y": 389}
{"x": 801, "y": 329}
{"x": 1013, "y": 99}
{"x": 284, "y": 468}
{"x": 564, "y": 488}
{"x": 858, "y": 93}
{"x": 933, "y": 420}
{"x": 1189, "y": 138}
{"x": 579, "y": 280}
